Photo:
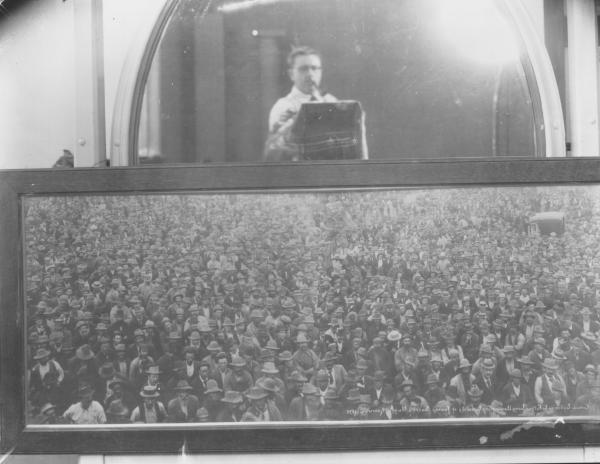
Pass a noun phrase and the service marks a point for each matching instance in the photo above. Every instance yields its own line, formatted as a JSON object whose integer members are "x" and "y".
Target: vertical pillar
{"x": 89, "y": 77}
{"x": 556, "y": 42}
{"x": 270, "y": 66}
{"x": 582, "y": 85}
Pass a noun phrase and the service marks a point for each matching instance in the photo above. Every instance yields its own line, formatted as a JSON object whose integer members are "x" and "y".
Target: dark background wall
{"x": 220, "y": 74}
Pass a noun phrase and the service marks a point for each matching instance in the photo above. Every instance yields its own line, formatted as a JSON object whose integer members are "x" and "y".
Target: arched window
{"x": 435, "y": 78}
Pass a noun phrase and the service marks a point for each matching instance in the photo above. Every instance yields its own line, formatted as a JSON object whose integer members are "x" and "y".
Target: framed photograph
{"x": 323, "y": 306}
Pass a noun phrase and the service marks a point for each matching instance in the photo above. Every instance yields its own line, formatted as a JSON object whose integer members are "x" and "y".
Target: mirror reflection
{"x": 279, "y": 80}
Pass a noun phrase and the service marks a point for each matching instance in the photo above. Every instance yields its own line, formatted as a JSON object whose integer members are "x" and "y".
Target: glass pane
{"x": 431, "y": 78}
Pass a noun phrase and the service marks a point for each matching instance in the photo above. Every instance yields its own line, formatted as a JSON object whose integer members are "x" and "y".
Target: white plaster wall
{"x": 38, "y": 73}
{"x": 37, "y": 82}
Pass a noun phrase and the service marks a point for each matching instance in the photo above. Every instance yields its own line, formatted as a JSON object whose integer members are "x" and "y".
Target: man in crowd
{"x": 258, "y": 298}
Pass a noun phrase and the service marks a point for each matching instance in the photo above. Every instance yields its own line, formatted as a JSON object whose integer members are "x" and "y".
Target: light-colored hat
{"x": 238, "y": 361}
{"x": 42, "y": 353}
{"x": 232, "y": 397}
{"x": 301, "y": 338}
{"x": 269, "y": 368}
{"x": 550, "y": 363}
{"x": 212, "y": 387}
{"x": 516, "y": 373}
{"x": 183, "y": 385}
{"x": 149, "y": 391}
{"x": 154, "y": 369}
{"x": 256, "y": 393}
{"x": 464, "y": 363}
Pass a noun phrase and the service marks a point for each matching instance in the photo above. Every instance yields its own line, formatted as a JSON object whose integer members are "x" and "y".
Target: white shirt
{"x": 190, "y": 369}
{"x": 94, "y": 414}
{"x": 43, "y": 370}
{"x": 516, "y": 389}
{"x": 292, "y": 102}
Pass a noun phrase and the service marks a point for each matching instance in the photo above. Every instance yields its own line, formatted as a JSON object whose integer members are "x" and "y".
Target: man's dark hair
{"x": 301, "y": 51}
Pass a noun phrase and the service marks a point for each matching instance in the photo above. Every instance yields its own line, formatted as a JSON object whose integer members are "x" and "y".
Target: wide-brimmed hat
{"x": 516, "y": 373}
{"x": 272, "y": 345}
{"x": 435, "y": 357}
{"x": 117, "y": 408}
{"x": 464, "y": 363}
{"x": 423, "y": 354}
{"x": 183, "y": 385}
{"x": 475, "y": 392}
{"x": 525, "y": 361}
{"x": 256, "y": 393}
{"x": 550, "y": 363}
{"x": 174, "y": 336}
{"x": 46, "y": 408}
{"x": 238, "y": 361}
{"x": 301, "y": 338}
{"x": 212, "y": 386}
{"x": 394, "y": 336}
{"x": 589, "y": 368}
{"x": 256, "y": 314}
{"x": 268, "y": 385}
{"x": 204, "y": 328}
{"x": 508, "y": 349}
{"x": 558, "y": 354}
{"x": 117, "y": 381}
{"x": 153, "y": 369}
{"x": 106, "y": 371}
{"x": 330, "y": 357}
{"x": 84, "y": 352}
{"x": 149, "y": 391}
{"x": 42, "y": 353}
{"x": 232, "y": 397}
{"x": 296, "y": 376}
{"x": 331, "y": 394}
{"x": 202, "y": 414}
{"x": 407, "y": 383}
{"x": 269, "y": 368}
{"x": 379, "y": 375}
{"x": 431, "y": 379}
{"x": 285, "y": 356}
{"x": 488, "y": 363}
{"x": 213, "y": 346}
{"x": 309, "y": 389}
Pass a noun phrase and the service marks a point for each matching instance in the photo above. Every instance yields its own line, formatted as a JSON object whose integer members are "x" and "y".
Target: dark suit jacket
{"x": 510, "y": 400}
{"x": 489, "y": 394}
{"x": 176, "y": 413}
{"x": 502, "y": 372}
{"x": 216, "y": 375}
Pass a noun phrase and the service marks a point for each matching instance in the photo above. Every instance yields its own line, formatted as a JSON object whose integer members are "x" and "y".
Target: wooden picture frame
{"x": 20, "y": 189}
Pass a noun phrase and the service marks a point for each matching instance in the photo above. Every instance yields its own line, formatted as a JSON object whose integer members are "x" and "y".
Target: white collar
{"x": 297, "y": 94}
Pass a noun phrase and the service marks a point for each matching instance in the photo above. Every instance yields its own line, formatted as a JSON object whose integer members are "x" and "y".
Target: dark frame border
{"x": 221, "y": 178}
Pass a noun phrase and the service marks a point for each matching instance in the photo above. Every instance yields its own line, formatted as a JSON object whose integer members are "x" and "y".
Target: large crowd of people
{"x": 327, "y": 306}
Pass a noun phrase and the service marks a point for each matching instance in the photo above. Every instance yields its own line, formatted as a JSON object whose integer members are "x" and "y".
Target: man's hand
{"x": 285, "y": 119}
